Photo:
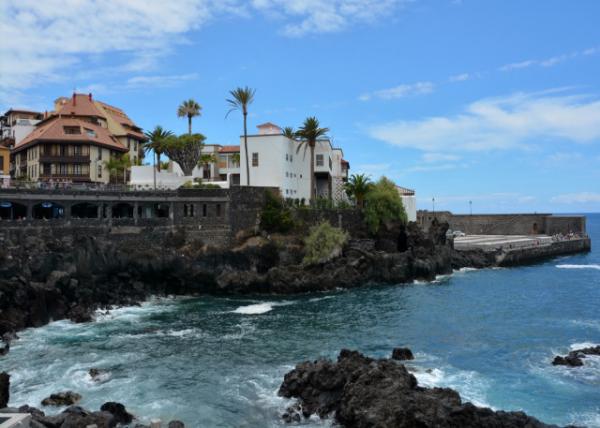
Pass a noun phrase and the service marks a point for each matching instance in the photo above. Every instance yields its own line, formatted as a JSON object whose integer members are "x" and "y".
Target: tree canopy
{"x": 186, "y": 150}
{"x": 383, "y": 205}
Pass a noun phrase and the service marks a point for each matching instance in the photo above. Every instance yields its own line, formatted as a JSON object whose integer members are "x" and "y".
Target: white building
{"x": 277, "y": 161}
{"x": 274, "y": 161}
{"x": 409, "y": 200}
{"x": 17, "y": 124}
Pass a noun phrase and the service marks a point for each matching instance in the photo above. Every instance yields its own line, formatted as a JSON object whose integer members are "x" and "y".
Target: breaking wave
{"x": 592, "y": 266}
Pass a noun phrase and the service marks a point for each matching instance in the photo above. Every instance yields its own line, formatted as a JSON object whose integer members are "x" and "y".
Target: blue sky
{"x": 495, "y": 102}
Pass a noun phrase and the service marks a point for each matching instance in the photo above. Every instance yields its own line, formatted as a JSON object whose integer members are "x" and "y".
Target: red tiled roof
{"x": 79, "y": 105}
{"x": 345, "y": 162}
{"x": 53, "y": 130}
{"x": 119, "y": 116}
{"x": 404, "y": 191}
{"x": 229, "y": 149}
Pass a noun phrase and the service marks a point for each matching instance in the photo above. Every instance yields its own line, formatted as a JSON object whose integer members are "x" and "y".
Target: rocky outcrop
{"x": 358, "y": 391}
{"x": 49, "y": 275}
{"x": 109, "y": 416}
{"x": 402, "y": 354}
{"x": 575, "y": 358}
{"x": 4, "y": 389}
{"x": 66, "y": 398}
{"x": 118, "y": 411}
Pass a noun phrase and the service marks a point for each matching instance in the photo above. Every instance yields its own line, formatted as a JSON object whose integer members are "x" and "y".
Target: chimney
{"x": 90, "y": 96}
{"x": 74, "y": 99}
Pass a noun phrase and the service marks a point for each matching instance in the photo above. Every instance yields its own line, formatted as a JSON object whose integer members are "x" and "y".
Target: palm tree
{"x": 235, "y": 158}
{"x": 289, "y": 132}
{"x": 156, "y": 143}
{"x": 309, "y": 133}
{"x": 206, "y": 160}
{"x": 240, "y": 99}
{"x": 357, "y": 187}
{"x": 117, "y": 164}
{"x": 189, "y": 109}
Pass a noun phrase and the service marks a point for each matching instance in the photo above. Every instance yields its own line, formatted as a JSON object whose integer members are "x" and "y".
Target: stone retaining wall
{"x": 533, "y": 254}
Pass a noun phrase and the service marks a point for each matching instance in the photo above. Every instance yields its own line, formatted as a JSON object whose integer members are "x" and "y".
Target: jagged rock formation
{"x": 360, "y": 392}
{"x": 575, "y": 358}
{"x": 56, "y": 276}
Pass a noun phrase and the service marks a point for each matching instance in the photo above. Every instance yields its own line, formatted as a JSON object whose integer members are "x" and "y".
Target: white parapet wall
{"x": 15, "y": 420}
{"x": 142, "y": 177}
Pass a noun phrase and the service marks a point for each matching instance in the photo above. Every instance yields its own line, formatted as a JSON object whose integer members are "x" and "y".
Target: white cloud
{"x": 460, "y": 77}
{"x": 375, "y": 169}
{"x": 549, "y": 62}
{"x": 439, "y": 157}
{"x": 68, "y": 40}
{"x": 324, "y": 16}
{"x": 577, "y": 198}
{"x": 159, "y": 80}
{"x": 400, "y": 91}
{"x": 500, "y": 123}
{"x": 53, "y": 39}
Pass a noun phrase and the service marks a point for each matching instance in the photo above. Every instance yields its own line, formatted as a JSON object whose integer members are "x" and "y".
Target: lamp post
{"x": 470, "y": 207}
{"x": 433, "y": 206}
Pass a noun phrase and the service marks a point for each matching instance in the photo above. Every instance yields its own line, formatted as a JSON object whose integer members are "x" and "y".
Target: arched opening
{"x": 12, "y": 211}
{"x": 48, "y": 211}
{"x": 534, "y": 230}
{"x": 122, "y": 210}
{"x": 84, "y": 210}
{"x": 161, "y": 210}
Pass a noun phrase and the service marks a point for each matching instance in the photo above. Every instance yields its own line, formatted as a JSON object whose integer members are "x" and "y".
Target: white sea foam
{"x": 255, "y": 309}
{"x": 582, "y": 345}
{"x": 588, "y": 419}
{"x": 259, "y": 308}
{"x": 591, "y": 266}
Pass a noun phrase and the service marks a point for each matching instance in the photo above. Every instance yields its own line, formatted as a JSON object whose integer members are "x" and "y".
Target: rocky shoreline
{"x": 69, "y": 277}
{"x": 358, "y": 391}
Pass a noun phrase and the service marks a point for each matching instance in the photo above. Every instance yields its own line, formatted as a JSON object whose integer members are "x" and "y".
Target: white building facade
{"x": 275, "y": 160}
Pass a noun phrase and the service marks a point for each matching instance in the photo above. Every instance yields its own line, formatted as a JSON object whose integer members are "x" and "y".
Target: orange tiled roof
{"x": 53, "y": 131}
{"x": 126, "y": 123}
{"x": 229, "y": 149}
{"x": 79, "y": 105}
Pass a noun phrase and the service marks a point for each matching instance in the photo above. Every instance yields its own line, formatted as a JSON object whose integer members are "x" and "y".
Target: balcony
{"x": 71, "y": 177}
{"x": 48, "y": 158}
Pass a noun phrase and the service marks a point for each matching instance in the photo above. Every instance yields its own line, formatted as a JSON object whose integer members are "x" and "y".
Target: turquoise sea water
{"x": 218, "y": 362}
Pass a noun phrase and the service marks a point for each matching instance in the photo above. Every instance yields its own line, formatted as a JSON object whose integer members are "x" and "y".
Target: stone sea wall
{"x": 533, "y": 254}
{"x": 506, "y": 224}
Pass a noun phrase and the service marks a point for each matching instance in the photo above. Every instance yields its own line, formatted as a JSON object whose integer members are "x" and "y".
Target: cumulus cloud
{"x": 500, "y": 123}
{"x": 400, "y": 91}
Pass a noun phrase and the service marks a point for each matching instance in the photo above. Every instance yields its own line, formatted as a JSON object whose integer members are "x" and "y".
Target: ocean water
{"x": 218, "y": 362}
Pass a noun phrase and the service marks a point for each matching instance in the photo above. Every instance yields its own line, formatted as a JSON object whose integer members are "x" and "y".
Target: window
{"x": 287, "y": 157}
{"x": 77, "y": 169}
{"x": 204, "y": 210}
{"x": 319, "y": 160}
{"x": 291, "y": 158}
{"x": 99, "y": 153}
{"x": 99, "y": 171}
{"x": 255, "y": 159}
{"x": 90, "y": 132}
{"x": 218, "y": 210}
{"x": 330, "y": 164}
{"x": 287, "y": 174}
{"x": 72, "y": 130}
{"x": 191, "y": 210}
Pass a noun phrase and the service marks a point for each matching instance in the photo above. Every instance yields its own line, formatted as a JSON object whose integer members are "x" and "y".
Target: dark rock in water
{"x": 4, "y": 350}
{"x": 4, "y": 389}
{"x": 99, "y": 375}
{"x": 118, "y": 411}
{"x": 575, "y": 358}
{"x": 569, "y": 360}
{"x": 36, "y": 413}
{"x": 176, "y": 424}
{"x": 362, "y": 392}
{"x": 100, "y": 419}
{"x": 402, "y": 354}
{"x": 66, "y": 398}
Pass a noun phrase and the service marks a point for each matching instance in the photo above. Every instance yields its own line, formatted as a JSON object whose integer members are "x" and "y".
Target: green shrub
{"x": 383, "y": 204}
{"x": 323, "y": 243}
{"x": 276, "y": 216}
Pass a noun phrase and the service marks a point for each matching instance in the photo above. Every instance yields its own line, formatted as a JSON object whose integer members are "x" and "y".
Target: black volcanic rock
{"x": 575, "y": 358}
{"x": 402, "y": 354}
{"x": 70, "y": 275}
{"x": 362, "y": 392}
{"x": 66, "y": 398}
{"x": 118, "y": 411}
{"x": 4, "y": 389}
